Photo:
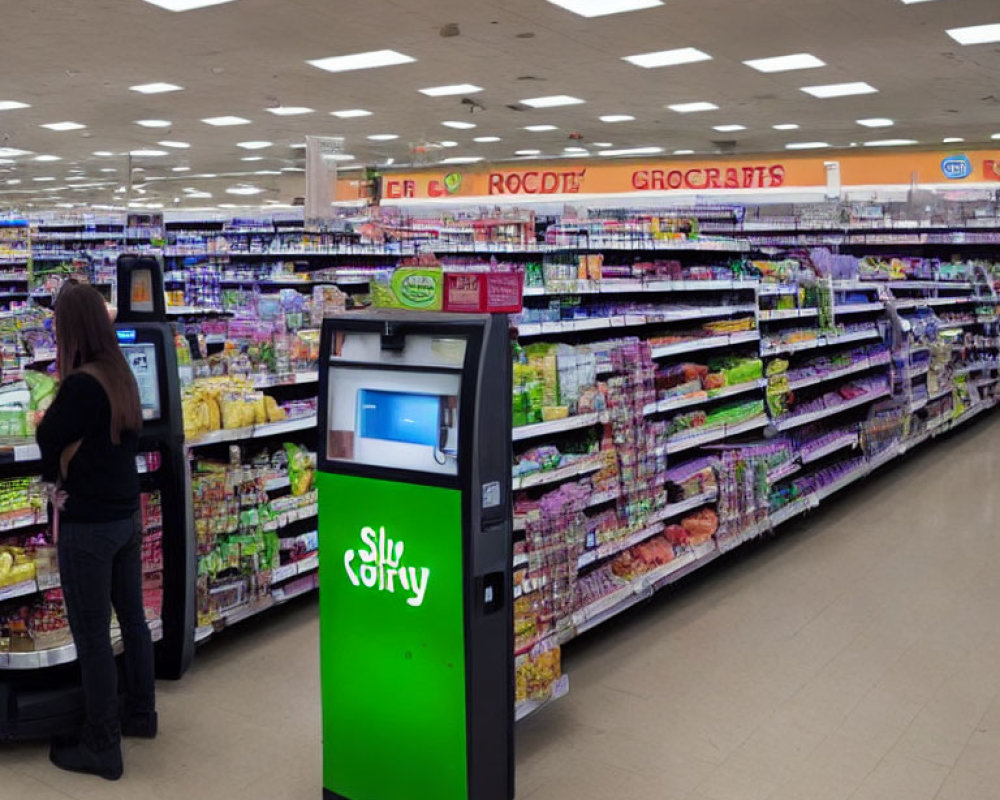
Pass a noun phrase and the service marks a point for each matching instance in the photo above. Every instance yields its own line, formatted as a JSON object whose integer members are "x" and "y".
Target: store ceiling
{"x": 75, "y": 61}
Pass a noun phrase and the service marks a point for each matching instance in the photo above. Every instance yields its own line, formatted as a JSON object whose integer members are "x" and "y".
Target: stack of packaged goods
{"x": 239, "y": 528}
{"x": 230, "y": 403}
{"x": 151, "y": 512}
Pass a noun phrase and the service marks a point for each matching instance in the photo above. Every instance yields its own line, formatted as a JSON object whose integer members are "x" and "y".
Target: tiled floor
{"x": 858, "y": 656}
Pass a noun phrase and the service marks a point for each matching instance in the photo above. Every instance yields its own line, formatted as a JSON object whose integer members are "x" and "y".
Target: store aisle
{"x": 856, "y": 657}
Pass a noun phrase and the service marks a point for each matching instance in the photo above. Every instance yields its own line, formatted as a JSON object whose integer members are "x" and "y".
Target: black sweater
{"x": 103, "y": 483}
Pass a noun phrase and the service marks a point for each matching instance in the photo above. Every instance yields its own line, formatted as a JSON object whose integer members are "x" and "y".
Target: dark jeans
{"x": 99, "y": 565}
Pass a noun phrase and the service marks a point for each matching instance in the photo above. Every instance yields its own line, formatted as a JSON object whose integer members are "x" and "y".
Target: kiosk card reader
{"x": 416, "y": 625}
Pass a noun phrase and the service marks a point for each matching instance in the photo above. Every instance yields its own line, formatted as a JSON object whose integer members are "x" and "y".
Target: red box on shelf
{"x": 483, "y": 292}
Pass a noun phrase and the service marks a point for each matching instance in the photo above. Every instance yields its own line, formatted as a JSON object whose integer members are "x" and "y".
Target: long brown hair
{"x": 86, "y": 342}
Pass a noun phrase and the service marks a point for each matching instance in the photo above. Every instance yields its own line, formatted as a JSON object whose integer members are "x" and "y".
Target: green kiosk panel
{"x": 415, "y": 526}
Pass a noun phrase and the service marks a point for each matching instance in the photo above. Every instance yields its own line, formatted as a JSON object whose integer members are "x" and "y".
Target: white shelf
{"x": 793, "y": 313}
{"x": 674, "y": 510}
{"x": 858, "y": 308}
{"x": 683, "y": 401}
{"x": 581, "y": 467}
{"x": 291, "y": 379}
{"x": 813, "y": 380}
{"x": 616, "y": 546}
{"x": 798, "y": 420}
{"x": 847, "y": 440}
{"x": 40, "y": 659}
{"x": 715, "y": 434}
{"x": 820, "y": 341}
{"x": 728, "y": 339}
{"x": 256, "y": 431}
{"x": 572, "y": 423}
{"x": 529, "y": 707}
{"x": 793, "y": 509}
{"x": 531, "y": 329}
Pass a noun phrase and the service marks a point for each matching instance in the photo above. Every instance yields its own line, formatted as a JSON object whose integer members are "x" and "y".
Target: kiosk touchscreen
{"x": 415, "y": 528}
{"x": 148, "y": 348}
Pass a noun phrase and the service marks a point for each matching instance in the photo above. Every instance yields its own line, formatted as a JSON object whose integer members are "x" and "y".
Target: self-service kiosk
{"x": 148, "y": 348}
{"x": 415, "y": 521}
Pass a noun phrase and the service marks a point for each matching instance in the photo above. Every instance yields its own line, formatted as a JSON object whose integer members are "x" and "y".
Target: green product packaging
{"x": 413, "y": 288}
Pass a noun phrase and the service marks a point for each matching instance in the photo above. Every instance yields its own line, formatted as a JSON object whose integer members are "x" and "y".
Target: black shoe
{"x": 141, "y": 725}
{"x": 92, "y": 755}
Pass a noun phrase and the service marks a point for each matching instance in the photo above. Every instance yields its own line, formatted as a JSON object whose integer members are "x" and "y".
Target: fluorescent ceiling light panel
{"x": 448, "y": 143}
{"x": 806, "y": 145}
{"x": 292, "y": 169}
{"x": 602, "y": 8}
{"x": 911, "y": 2}
{"x": 540, "y": 128}
{"x": 876, "y": 122}
{"x": 995, "y": 136}
{"x": 254, "y": 145}
{"x": 13, "y": 152}
{"x": 786, "y": 126}
{"x": 156, "y": 88}
{"x": 617, "y": 118}
{"x": 785, "y": 63}
{"x": 221, "y": 122}
{"x": 252, "y": 158}
{"x": 147, "y": 153}
{"x": 976, "y": 34}
{"x": 369, "y": 60}
{"x": 486, "y": 139}
{"x": 683, "y": 152}
{"x": 63, "y": 126}
{"x": 175, "y": 145}
{"x": 109, "y": 169}
{"x": 461, "y": 126}
{"x": 290, "y": 111}
{"x": 382, "y": 137}
{"x": 12, "y": 105}
{"x": 43, "y": 179}
{"x": 245, "y": 190}
{"x": 527, "y": 152}
{"x": 46, "y": 158}
{"x": 552, "y": 101}
{"x": 575, "y": 150}
{"x": 668, "y": 58}
{"x": 891, "y": 142}
{"x": 632, "y": 151}
{"x": 729, "y": 128}
{"x": 461, "y": 160}
{"x": 267, "y": 172}
{"x": 186, "y": 5}
{"x": 103, "y": 153}
{"x": 691, "y": 108}
{"x": 180, "y": 169}
{"x": 839, "y": 89}
{"x": 952, "y": 140}
{"x": 605, "y": 145}
{"x": 154, "y": 123}
{"x": 351, "y": 113}
{"x": 455, "y": 88}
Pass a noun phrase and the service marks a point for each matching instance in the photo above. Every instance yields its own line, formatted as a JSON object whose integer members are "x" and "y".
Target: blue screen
{"x": 126, "y": 335}
{"x": 399, "y": 416}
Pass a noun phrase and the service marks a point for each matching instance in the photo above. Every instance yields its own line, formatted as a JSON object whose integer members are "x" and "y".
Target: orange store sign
{"x": 680, "y": 175}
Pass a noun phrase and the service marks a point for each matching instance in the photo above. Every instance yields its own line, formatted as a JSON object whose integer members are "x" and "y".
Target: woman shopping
{"x": 88, "y": 440}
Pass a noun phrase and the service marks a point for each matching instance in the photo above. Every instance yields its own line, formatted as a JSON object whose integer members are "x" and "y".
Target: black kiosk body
{"x": 415, "y": 522}
{"x": 40, "y": 693}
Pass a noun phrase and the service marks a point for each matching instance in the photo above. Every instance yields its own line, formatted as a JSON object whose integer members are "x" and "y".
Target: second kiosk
{"x": 416, "y": 625}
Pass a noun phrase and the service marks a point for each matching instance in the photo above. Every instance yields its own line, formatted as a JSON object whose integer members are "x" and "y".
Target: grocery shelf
{"x": 683, "y": 401}
{"x": 625, "y": 286}
{"x": 531, "y": 329}
{"x": 581, "y": 467}
{"x": 289, "y": 379}
{"x": 674, "y": 510}
{"x": 792, "y": 313}
{"x": 19, "y": 450}
{"x": 860, "y": 366}
{"x": 847, "y": 440}
{"x": 705, "y": 344}
{"x": 25, "y": 518}
{"x": 770, "y": 289}
{"x": 918, "y": 404}
{"x": 793, "y": 509}
{"x": 18, "y": 589}
{"x": 608, "y": 549}
{"x": 66, "y": 654}
{"x": 555, "y": 426}
{"x": 858, "y": 308}
{"x": 821, "y": 340}
{"x": 277, "y": 483}
{"x": 797, "y": 420}
{"x": 528, "y": 707}
{"x": 255, "y": 431}
{"x": 715, "y": 434}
